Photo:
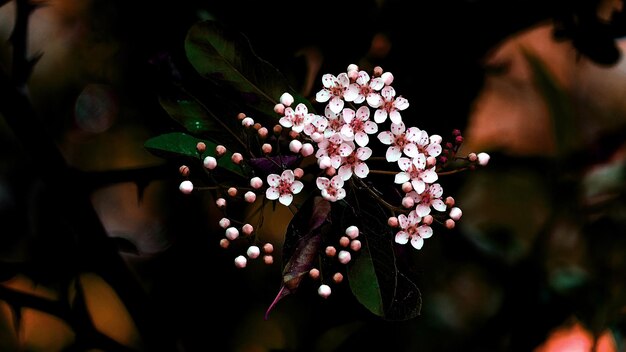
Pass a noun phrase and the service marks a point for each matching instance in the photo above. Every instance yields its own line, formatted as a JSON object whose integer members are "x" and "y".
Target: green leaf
{"x": 227, "y": 57}
{"x": 179, "y": 144}
{"x": 374, "y": 278}
{"x": 190, "y": 113}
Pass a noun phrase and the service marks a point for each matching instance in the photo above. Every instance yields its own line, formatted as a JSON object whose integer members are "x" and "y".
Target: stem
{"x": 379, "y": 198}
{"x": 451, "y": 172}
{"x": 383, "y": 172}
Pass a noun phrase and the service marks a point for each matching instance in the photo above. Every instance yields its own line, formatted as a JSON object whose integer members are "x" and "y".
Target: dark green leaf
{"x": 191, "y": 114}
{"x": 179, "y": 144}
{"x": 373, "y": 275}
{"x": 227, "y": 57}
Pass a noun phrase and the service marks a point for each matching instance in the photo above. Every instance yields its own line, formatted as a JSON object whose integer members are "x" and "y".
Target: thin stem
{"x": 378, "y": 198}
{"x": 383, "y": 172}
{"x": 451, "y": 172}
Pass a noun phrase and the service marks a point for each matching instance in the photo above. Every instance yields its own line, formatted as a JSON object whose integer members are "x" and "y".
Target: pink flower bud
{"x": 250, "y": 197}
{"x": 295, "y": 146}
{"x": 324, "y": 291}
{"x": 247, "y": 229}
{"x": 232, "y": 191}
{"x": 220, "y": 202}
{"x": 352, "y": 67}
{"x": 353, "y": 75}
{"x": 241, "y": 261}
{"x": 407, "y": 187}
{"x": 331, "y": 251}
{"x": 268, "y": 259}
{"x": 427, "y": 220}
{"x": 307, "y": 149}
{"x": 298, "y": 173}
{"x": 483, "y": 159}
{"x": 279, "y": 108}
{"x": 456, "y": 132}
{"x": 247, "y": 122}
{"x": 344, "y": 241}
{"x": 220, "y": 150}
{"x": 450, "y": 202}
{"x": 314, "y": 273}
{"x": 355, "y": 245}
{"x": 293, "y": 134}
{"x": 324, "y": 162}
{"x": 257, "y": 126}
{"x": 236, "y": 158}
{"x": 241, "y": 116}
{"x": 430, "y": 162}
{"x": 268, "y": 248}
{"x": 408, "y": 202}
{"x": 232, "y": 233}
{"x": 456, "y": 213}
{"x": 256, "y": 182}
{"x": 184, "y": 170}
{"x": 186, "y": 187}
{"x": 224, "y": 223}
{"x": 253, "y": 252}
{"x": 266, "y": 148}
{"x": 278, "y": 129}
{"x": 387, "y": 77}
{"x": 393, "y": 221}
{"x": 201, "y": 147}
{"x": 344, "y": 257}
{"x": 352, "y": 232}
{"x": 458, "y": 139}
{"x": 378, "y": 71}
{"x": 317, "y": 137}
{"x": 338, "y": 278}
{"x": 472, "y": 157}
{"x": 331, "y": 171}
{"x": 286, "y": 99}
{"x": 263, "y": 132}
{"x": 224, "y": 243}
{"x": 210, "y": 162}
{"x": 450, "y": 224}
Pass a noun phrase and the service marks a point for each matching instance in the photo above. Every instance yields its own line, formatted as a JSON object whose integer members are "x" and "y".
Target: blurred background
{"x": 118, "y": 259}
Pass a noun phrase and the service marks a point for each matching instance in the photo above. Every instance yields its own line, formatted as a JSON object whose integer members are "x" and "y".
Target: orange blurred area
{"x": 573, "y": 337}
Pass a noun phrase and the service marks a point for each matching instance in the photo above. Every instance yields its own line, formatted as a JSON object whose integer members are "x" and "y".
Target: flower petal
{"x": 398, "y": 128}
{"x": 347, "y": 133}
{"x": 395, "y": 116}
{"x": 402, "y": 237}
{"x": 374, "y": 100}
{"x": 422, "y": 209}
{"x": 363, "y": 78}
{"x": 401, "y": 178}
{"x": 337, "y": 182}
{"x": 341, "y": 194}
{"x": 393, "y": 154}
{"x": 404, "y": 163}
{"x": 322, "y": 182}
{"x": 296, "y": 187}
{"x": 420, "y": 161}
{"x": 322, "y": 96}
{"x": 417, "y": 242}
{"x": 361, "y": 169}
{"x": 343, "y": 80}
{"x": 285, "y": 199}
{"x": 288, "y": 176}
{"x": 336, "y": 104}
{"x": 412, "y": 134}
{"x": 361, "y": 139}
{"x": 425, "y": 231}
{"x": 436, "y": 191}
{"x": 418, "y": 185}
{"x": 272, "y": 193}
{"x": 345, "y": 172}
{"x": 273, "y": 180}
{"x": 352, "y": 92}
{"x": 377, "y": 83}
{"x": 363, "y": 113}
{"x": 380, "y": 116}
{"x": 401, "y": 103}
{"x": 363, "y": 153}
{"x": 285, "y": 122}
{"x": 386, "y": 137}
{"x": 414, "y": 218}
{"x": 429, "y": 176}
{"x": 301, "y": 109}
{"x": 345, "y": 149}
{"x": 328, "y": 80}
{"x": 438, "y": 204}
{"x": 403, "y": 221}
{"x": 370, "y": 127}
{"x": 388, "y": 93}
{"x": 433, "y": 150}
{"x": 411, "y": 150}
{"x": 348, "y": 114}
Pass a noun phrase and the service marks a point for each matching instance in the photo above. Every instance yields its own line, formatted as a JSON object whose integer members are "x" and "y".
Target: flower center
{"x": 284, "y": 187}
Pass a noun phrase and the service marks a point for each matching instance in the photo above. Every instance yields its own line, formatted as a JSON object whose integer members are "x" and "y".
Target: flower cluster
{"x": 362, "y": 116}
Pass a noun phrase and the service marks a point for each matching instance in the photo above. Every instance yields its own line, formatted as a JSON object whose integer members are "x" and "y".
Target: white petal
{"x": 417, "y": 242}
{"x": 336, "y": 104}
{"x": 377, "y": 83}
{"x": 402, "y": 237}
{"x": 343, "y": 80}
{"x": 320, "y": 122}
{"x": 296, "y": 187}
{"x": 348, "y": 114}
{"x": 403, "y": 221}
{"x": 301, "y": 109}
{"x": 411, "y": 150}
{"x": 386, "y": 137}
{"x": 341, "y": 194}
{"x": 297, "y": 128}
{"x": 401, "y": 103}
{"x": 360, "y": 98}
{"x": 395, "y": 116}
{"x": 380, "y": 116}
{"x": 335, "y": 161}
{"x": 413, "y": 134}
{"x": 425, "y": 231}
{"x": 326, "y": 195}
{"x": 352, "y": 92}
{"x": 329, "y": 113}
{"x": 345, "y": 149}
{"x": 423, "y": 139}
{"x": 438, "y": 204}
{"x": 361, "y": 169}
{"x": 363, "y": 78}
{"x": 429, "y": 176}
{"x": 285, "y": 122}
{"x": 285, "y": 199}
{"x": 328, "y": 80}
{"x": 272, "y": 193}
{"x": 414, "y": 219}
{"x": 393, "y": 154}
{"x": 322, "y": 182}
{"x": 336, "y": 182}
{"x": 404, "y": 163}
{"x": 288, "y": 176}
{"x": 370, "y": 127}
{"x": 398, "y": 128}
{"x": 374, "y": 100}
{"x": 345, "y": 172}
{"x": 363, "y": 113}
{"x": 401, "y": 178}
{"x": 422, "y": 210}
{"x": 361, "y": 139}
{"x": 388, "y": 93}
{"x": 435, "y": 139}
{"x": 420, "y": 161}
{"x": 347, "y": 133}
{"x": 436, "y": 190}
{"x": 363, "y": 153}
{"x": 418, "y": 185}
{"x": 273, "y": 180}
{"x": 434, "y": 150}
{"x": 322, "y": 96}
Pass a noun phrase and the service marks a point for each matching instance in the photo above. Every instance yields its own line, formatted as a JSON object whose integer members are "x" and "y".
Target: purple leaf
{"x": 274, "y": 164}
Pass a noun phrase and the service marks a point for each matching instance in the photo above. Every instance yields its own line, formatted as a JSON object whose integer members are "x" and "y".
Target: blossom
{"x": 430, "y": 146}
{"x": 332, "y": 190}
{"x": 365, "y": 88}
{"x": 355, "y": 163}
{"x": 391, "y": 106}
{"x": 296, "y": 119}
{"x": 358, "y": 125}
{"x": 283, "y": 187}
{"x": 333, "y": 90}
{"x": 414, "y": 170}
{"x": 411, "y": 229}
{"x": 334, "y": 148}
{"x": 430, "y": 197}
{"x": 400, "y": 139}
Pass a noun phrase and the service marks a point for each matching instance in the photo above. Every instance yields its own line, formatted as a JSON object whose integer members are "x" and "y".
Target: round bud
{"x": 278, "y": 129}
{"x": 483, "y": 159}
{"x": 407, "y": 187}
{"x": 268, "y": 259}
{"x": 184, "y": 170}
{"x": 450, "y": 202}
{"x": 331, "y": 171}
{"x": 221, "y": 203}
{"x": 344, "y": 241}
{"x": 256, "y": 182}
{"x": 456, "y": 132}
{"x": 286, "y": 99}
{"x": 268, "y": 248}
{"x": 250, "y": 197}
{"x": 266, "y": 148}
{"x": 408, "y": 202}
{"x": 352, "y": 232}
{"x": 263, "y": 132}
{"x": 257, "y": 126}
{"x": 298, "y": 173}
{"x": 472, "y": 157}
{"x": 247, "y": 122}
{"x": 293, "y": 134}
{"x": 430, "y": 162}
{"x": 344, "y": 257}
{"x": 393, "y": 221}
{"x": 352, "y": 67}
{"x": 295, "y": 146}
{"x": 241, "y": 116}
{"x": 456, "y": 213}
{"x": 387, "y": 78}
{"x": 241, "y": 261}
{"x": 324, "y": 291}
{"x": 210, "y": 162}
{"x": 224, "y": 243}
{"x": 307, "y": 149}
{"x": 355, "y": 245}
{"x": 450, "y": 224}
{"x": 224, "y": 223}
{"x": 428, "y": 219}
{"x": 443, "y": 159}
{"x": 232, "y": 233}
{"x": 247, "y": 229}
{"x": 279, "y": 108}
{"x": 186, "y": 187}
{"x": 220, "y": 150}
{"x": 314, "y": 273}
{"x": 338, "y": 278}
{"x": 317, "y": 137}
{"x": 353, "y": 75}
{"x": 458, "y": 139}
{"x": 236, "y": 158}
{"x": 253, "y": 252}
{"x": 200, "y": 147}
{"x": 331, "y": 251}
{"x": 378, "y": 71}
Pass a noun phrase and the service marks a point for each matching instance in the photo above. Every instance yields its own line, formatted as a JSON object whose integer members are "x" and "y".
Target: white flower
{"x": 364, "y": 88}
{"x": 430, "y": 146}
{"x": 334, "y": 122}
{"x": 400, "y": 139}
{"x": 333, "y": 90}
{"x": 355, "y": 163}
{"x": 411, "y": 229}
{"x": 283, "y": 187}
{"x": 334, "y": 148}
{"x": 296, "y": 119}
{"x": 414, "y": 170}
{"x": 358, "y": 125}
{"x": 391, "y": 106}
{"x": 332, "y": 190}
{"x": 430, "y": 197}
